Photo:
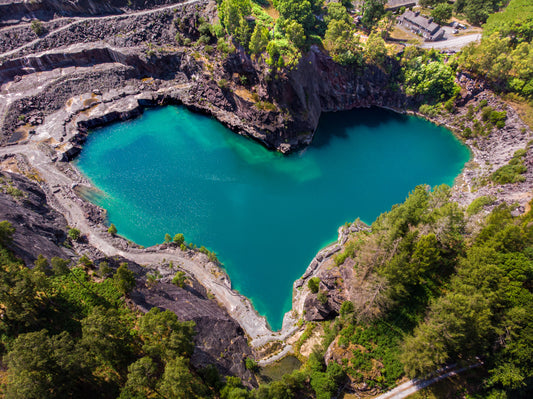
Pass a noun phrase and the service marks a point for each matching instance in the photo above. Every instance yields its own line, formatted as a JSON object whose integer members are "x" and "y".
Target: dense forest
{"x": 443, "y": 285}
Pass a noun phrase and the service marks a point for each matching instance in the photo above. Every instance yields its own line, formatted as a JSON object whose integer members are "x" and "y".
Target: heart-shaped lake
{"x": 264, "y": 214}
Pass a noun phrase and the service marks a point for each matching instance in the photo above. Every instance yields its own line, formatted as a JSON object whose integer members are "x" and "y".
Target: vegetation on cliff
{"x": 446, "y": 288}
{"x": 68, "y": 333}
{"x": 505, "y": 55}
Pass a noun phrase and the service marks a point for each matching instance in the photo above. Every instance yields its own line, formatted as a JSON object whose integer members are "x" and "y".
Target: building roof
{"x": 421, "y": 21}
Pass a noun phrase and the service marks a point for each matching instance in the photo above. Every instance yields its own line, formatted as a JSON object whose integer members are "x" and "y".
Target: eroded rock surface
{"x": 40, "y": 230}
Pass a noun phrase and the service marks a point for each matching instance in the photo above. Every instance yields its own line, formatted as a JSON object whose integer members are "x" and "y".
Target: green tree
{"x": 337, "y": 12}
{"x": 259, "y": 39}
{"x": 477, "y": 11}
{"x": 179, "y": 239}
{"x": 178, "y": 381}
{"x": 442, "y": 13}
{"x": 341, "y": 42}
{"x": 313, "y": 284}
{"x": 295, "y": 33}
{"x": 59, "y": 266}
{"x": 168, "y": 238}
{"x": 373, "y": 10}
{"x": 297, "y": 10}
{"x": 74, "y": 234}
{"x": 165, "y": 337}
{"x": 231, "y": 12}
{"x": 107, "y": 336}
{"x": 6, "y": 233}
{"x": 179, "y": 279}
{"x": 104, "y": 270}
{"x": 21, "y": 296}
{"x": 40, "y": 367}
{"x": 112, "y": 229}
{"x": 142, "y": 378}
{"x": 124, "y": 279}
{"x": 42, "y": 265}
{"x": 433, "y": 80}
{"x": 375, "y": 49}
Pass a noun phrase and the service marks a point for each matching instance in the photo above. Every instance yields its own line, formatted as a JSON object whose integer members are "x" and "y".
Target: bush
{"x": 512, "y": 172}
{"x": 322, "y": 298}
{"x": 251, "y": 364}
{"x": 104, "y": 270}
{"x": 37, "y": 27}
{"x": 347, "y": 307}
{"x": 112, "y": 229}
{"x": 59, "y": 266}
{"x": 179, "y": 279}
{"x": 223, "y": 84}
{"x": 179, "y": 239}
{"x": 124, "y": 279}
{"x": 74, "y": 234}
{"x": 313, "y": 284}
{"x": 479, "y": 203}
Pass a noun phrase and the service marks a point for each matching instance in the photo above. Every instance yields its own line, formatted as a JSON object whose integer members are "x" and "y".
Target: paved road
{"x": 456, "y": 43}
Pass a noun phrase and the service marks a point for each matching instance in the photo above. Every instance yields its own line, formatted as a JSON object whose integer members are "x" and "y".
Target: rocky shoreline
{"x": 54, "y": 91}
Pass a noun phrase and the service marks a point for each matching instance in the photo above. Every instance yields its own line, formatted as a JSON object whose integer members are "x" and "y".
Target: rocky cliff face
{"x": 39, "y": 228}
{"x": 143, "y": 45}
{"x": 219, "y": 341}
{"x": 13, "y": 12}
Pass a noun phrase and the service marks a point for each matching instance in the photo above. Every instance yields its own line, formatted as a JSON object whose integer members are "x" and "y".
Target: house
{"x": 421, "y": 25}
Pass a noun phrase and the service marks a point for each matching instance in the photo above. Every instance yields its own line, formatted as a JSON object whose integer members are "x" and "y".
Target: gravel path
{"x": 78, "y": 20}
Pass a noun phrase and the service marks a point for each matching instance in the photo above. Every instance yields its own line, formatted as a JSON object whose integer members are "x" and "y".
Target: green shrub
{"x": 104, "y": 270}
{"x": 313, "y": 284}
{"x": 223, "y": 84}
{"x": 74, "y": 234}
{"x": 512, "y": 172}
{"x": 429, "y": 110}
{"x": 112, "y": 229}
{"x": 179, "y": 239}
{"x": 347, "y": 307}
{"x": 251, "y": 364}
{"x": 479, "y": 203}
{"x": 37, "y": 27}
{"x": 322, "y": 298}
{"x": 13, "y": 191}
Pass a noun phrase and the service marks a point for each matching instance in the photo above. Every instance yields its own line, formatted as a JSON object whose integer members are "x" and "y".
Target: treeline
{"x": 441, "y": 288}
{"x": 476, "y": 12}
{"x": 505, "y": 55}
{"x": 281, "y": 41}
{"x": 65, "y": 333}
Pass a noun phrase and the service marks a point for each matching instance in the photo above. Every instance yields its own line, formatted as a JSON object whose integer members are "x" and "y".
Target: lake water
{"x": 264, "y": 214}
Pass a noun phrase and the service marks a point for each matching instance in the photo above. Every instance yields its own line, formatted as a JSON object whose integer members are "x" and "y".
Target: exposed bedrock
{"x": 219, "y": 340}
{"x": 39, "y": 228}
{"x": 82, "y": 55}
{"x": 12, "y": 12}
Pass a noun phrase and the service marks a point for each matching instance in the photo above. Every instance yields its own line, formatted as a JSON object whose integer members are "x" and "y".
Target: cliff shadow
{"x": 339, "y": 124}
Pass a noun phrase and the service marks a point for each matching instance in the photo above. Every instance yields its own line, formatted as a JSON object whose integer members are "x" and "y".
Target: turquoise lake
{"x": 264, "y": 214}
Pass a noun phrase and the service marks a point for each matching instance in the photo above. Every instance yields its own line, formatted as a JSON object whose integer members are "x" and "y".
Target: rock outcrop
{"x": 39, "y": 229}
